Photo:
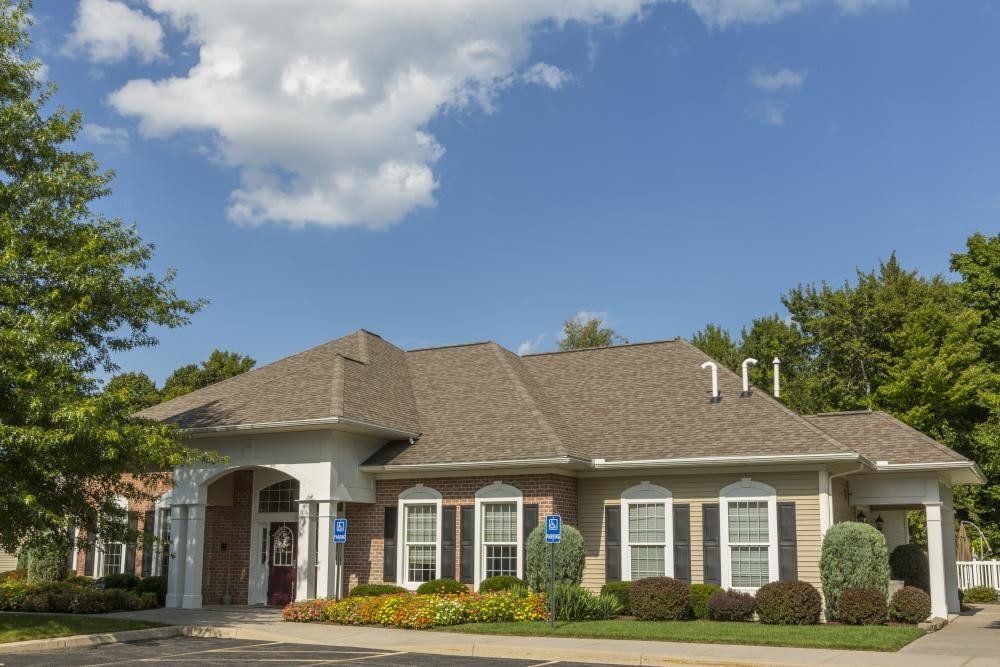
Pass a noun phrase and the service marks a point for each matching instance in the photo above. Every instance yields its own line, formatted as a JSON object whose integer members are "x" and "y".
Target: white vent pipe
{"x": 749, "y": 361}
{"x": 715, "y": 379}
{"x": 777, "y": 380}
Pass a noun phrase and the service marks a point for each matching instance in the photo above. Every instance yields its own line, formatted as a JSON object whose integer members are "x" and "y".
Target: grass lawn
{"x": 869, "y": 638}
{"x": 19, "y": 627}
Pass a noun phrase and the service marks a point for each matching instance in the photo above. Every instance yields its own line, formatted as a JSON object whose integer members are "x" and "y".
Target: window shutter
{"x": 711, "y": 551}
{"x": 88, "y": 563}
{"x": 682, "y": 542}
{"x": 612, "y": 543}
{"x": 71, "y": 536}
{"x": 448, "y": 542}
{"x": 530, "y": 513}
{"x": 467, "y": 547}
{"x": 148, "y": 521}
{"x": 788, "y": 569}
{"x": 133, "y": 528}
{"x": 389, "y": 545}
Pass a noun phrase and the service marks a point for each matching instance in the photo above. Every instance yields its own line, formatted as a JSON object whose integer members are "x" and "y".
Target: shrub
{"x": 123, "y": 581}
{"x": 308, "y": 611}
{"x": 910, "y": 605}
{"x": 442, "y": 587}
{"x": 699, "y": 597}
{"x": 979, "y": 594}
{"x": 155, "y": 585}
{"x": 500, "y": 583}
{"x": 574, "y": 603}
{"x": 909, "y": 563}
{"x": 731, "y": 606}
{"x": 406, "y": 610}
{"x": 80, "y": 580}
{"x": 12, "y": 593}
{"x": 620, "y": 590}
{"x": 788, "y": 603}
{"x": 854, "y": 555}
{"x": 862, "y": 605}
{"x": 69, "y": 596}
{"x": 16, "y": 575}
{"x": 47, "y": 557}
{"x": 660, "y": 599}
{"x": 365, "y": 590}
{"x": 569, "y": 558}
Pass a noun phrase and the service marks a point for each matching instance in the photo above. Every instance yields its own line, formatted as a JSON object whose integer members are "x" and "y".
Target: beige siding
{"x": 7, "y": 561}
{"x": 841, "y": 502}
{"x": 802, "y": 488}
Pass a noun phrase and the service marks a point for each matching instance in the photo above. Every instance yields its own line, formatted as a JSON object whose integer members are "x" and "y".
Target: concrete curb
{"x": 79, "y": 641}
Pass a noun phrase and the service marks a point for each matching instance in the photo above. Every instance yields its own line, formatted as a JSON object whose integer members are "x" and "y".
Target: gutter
{"x": 883, "y": 466}
{"x": 601, "y": 464}
{"x": 465, "y": 465}
{"x": 301, "y": 425}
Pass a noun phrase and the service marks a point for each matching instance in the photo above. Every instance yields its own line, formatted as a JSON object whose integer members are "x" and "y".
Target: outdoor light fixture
{"x": 861, "y": 516}
{"x": 879, "y": 523}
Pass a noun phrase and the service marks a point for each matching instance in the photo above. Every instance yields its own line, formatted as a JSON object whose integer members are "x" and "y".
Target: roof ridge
{"x": 337, "y": 386}
{"x": 362, "y": 337}
{"x": 604, "y": 347}
{"x": 445, "y": 347}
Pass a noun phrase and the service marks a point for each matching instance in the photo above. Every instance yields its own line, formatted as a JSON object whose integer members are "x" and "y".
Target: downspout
{"x": 861, "y": 466}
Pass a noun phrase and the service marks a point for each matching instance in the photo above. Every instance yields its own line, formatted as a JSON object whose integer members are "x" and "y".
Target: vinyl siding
{"x": 7, "y": 561}
{"x": 802, "y": 488}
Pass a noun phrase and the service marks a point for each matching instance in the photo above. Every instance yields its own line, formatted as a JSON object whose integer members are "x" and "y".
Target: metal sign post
{"x": 339, "y": 538}
{"x": 553, "y": 534}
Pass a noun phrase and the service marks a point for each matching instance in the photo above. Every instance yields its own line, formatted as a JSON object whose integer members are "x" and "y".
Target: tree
{"x": 137, "y": 389}
{"x": 717, "y": 343}
{"x": 74, "y": 291}
{"x": 580, "y": 334}
{"x": 979, "y": 267}
{"x": 220, "y": 366}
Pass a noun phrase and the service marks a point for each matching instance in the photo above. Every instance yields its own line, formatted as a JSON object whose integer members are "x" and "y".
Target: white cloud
{"x": 544, "y": 74}
{"x": 42, "y": 72}
{"x": 530, "y": 346}
{"x": 722, "y": 13}
{"x": 769, "y": 112}
{"x": 585, "y": 316}
{"x": 776, "y": 80}
{"x": 108, "y": 31}
{"x": 858, "y": 6}
{"x": 117, "y": 137}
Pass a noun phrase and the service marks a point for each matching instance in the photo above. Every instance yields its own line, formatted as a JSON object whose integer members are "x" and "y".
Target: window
{"x": 647, "y": 532}
{"x": 283, "y": 547}
{"x": 164, "y": 541}
{"x": 749, "y": 535}
{"x": 499, "y": 532}
{"x": 420, "y": 528}
{"x": 279, "y": 497}
{"x": 113, "y": 561}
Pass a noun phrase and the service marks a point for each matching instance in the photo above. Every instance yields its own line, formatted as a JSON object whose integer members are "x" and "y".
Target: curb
{"x": 79, "y": 641}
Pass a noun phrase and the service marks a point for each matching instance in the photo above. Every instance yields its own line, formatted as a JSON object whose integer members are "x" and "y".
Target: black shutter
{"x": 133, "y": 529}
{"x": 389, "y": 545}
{"x": 530, "y": 515}
{"x": 711, "y": 552}
{"x": 448, "y": 542}
{"x": 682, "y": 542}
{"x": 148, "y": 521}
{"x": 788, "y": 569}
{"x": 612, "y": 543}
{"x": 467, "y": 546}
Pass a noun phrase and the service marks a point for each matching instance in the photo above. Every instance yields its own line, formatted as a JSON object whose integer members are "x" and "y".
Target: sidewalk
{"x": 971, "y": 641}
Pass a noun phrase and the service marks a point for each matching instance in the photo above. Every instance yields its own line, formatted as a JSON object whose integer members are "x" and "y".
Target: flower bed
{"x": 77, "y": 596}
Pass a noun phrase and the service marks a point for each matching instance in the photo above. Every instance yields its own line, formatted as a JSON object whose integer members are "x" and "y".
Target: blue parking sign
{"x": 340, "y": 530}
{"x": 553, "y": 528}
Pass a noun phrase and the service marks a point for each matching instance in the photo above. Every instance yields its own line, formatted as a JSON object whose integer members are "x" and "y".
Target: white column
{"x": 936, "y": 557}
{"x": 194, "y": 556}
{"x": 824, "y": 502}
{"x": 326, "y": 566}
{"x": 305, "y": 585}
{"x": 178, "y": 555}
{"x": 950, "y": 557}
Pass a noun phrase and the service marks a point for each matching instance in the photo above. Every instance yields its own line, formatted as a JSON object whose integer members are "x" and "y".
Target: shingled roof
{"x": 482, "y": 403}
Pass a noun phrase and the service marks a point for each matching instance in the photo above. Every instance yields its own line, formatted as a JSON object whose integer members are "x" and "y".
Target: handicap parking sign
{"x": 340, "y": 530}
{"x": 553, "y": 528}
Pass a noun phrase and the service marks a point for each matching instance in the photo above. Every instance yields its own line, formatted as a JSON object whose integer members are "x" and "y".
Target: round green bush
{"x": 155, "y": 585}
{"x": 123, "y": 581}
{"x": 501, "y": 583}
{"x": 979, "y": 595}
{"x": 699, "y": 598}
{"x": 854, "y": 555}
{"x": 368, "y": 590}
{"x": 569, "y": 558}
{"x": 442, "y": 587}
{"x": 619, "y": 589}
{"x": 909, "y": 563}
{"x": 910, "y": 605}
{"x": 660, "y": 599}
{"x": 788, "y": 603}
{"x": 731, "y": 606}
{"x": 862, "y": 605}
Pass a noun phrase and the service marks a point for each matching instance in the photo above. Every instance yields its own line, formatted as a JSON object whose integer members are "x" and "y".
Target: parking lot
{"x": 232, "y": 652}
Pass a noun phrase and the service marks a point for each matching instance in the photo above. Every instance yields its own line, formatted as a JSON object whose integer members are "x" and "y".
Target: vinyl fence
{"x": 972, "y": 573}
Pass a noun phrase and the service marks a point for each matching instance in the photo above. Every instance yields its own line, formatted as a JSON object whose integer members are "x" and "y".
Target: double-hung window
{"x": 113, "y": 559}
{"x": 647, "y": 530}
{"x": 419, "y": 559}
{"x": 749, "y": 535}
{"x": 500, "y": 543}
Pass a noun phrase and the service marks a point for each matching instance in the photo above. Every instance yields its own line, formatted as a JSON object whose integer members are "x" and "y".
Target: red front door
{"x": 281, "y": 563}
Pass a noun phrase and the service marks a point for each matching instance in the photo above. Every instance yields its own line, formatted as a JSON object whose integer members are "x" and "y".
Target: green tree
{"x": 716, "y": 342}
{"x": 579, "y": 334}
{"x": 136, "y": 389}
{"x": 220, "y": 366}
{"x": 74, "y": 291}
{"x": 979, "y": 267}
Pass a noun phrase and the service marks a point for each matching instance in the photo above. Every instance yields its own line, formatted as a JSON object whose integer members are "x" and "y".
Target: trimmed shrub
{"x": 862, "y": 605}
{"x": 620, "y": 590}
{"x": 501, "y": 583}
{"x": 910, "y": 605}
{"x": 789, "y": 603}
{"x": 731, "y": 606}
{"x": 854, "y": 556}
{"x": 979, "y": 594}
{"x": 574, "y": 603}
{"x": 366, "y": 590}
{"x": 47, "y": 557}
{"x": 442, "y": 587}
{"x": 79, "y": 580}
{"x": 155, "y": 585}
{"x": 569, "y": 559}
{"x": 699, "y": 599}
{"x": 909, "y": 563}
{"x": 660, "y": 599}
{"x": 123, "y": 581}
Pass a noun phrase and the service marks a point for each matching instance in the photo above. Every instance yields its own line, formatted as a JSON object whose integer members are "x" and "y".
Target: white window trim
{"x": 162, "y": 505}
{"x": 647, "y": 494}
{"x": 498, "y": 492}
{"x": 100, "y": 545}
{"x": 417, "y": 495}
{"x": 747, "y": 490}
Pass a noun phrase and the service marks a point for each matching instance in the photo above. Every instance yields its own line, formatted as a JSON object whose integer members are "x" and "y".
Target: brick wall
{"x": 554, "y": 494}
{"x": 229, "y": 526}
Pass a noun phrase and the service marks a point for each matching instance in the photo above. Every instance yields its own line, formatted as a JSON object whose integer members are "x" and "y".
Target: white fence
{"x": 972, "y": 573}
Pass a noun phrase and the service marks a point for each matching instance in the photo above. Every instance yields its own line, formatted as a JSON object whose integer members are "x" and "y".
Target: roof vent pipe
{"x": 777, "y": 380}
{"x": 749, "y": 361}
{"x": 715, "y": 381}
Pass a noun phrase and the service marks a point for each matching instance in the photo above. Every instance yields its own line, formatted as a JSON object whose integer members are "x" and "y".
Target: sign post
{"x": 339, "y": 538}
{"x": 553, "y": 534}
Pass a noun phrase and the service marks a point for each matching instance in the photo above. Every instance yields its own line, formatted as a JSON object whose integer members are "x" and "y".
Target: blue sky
{"x": 456, "y": 174}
